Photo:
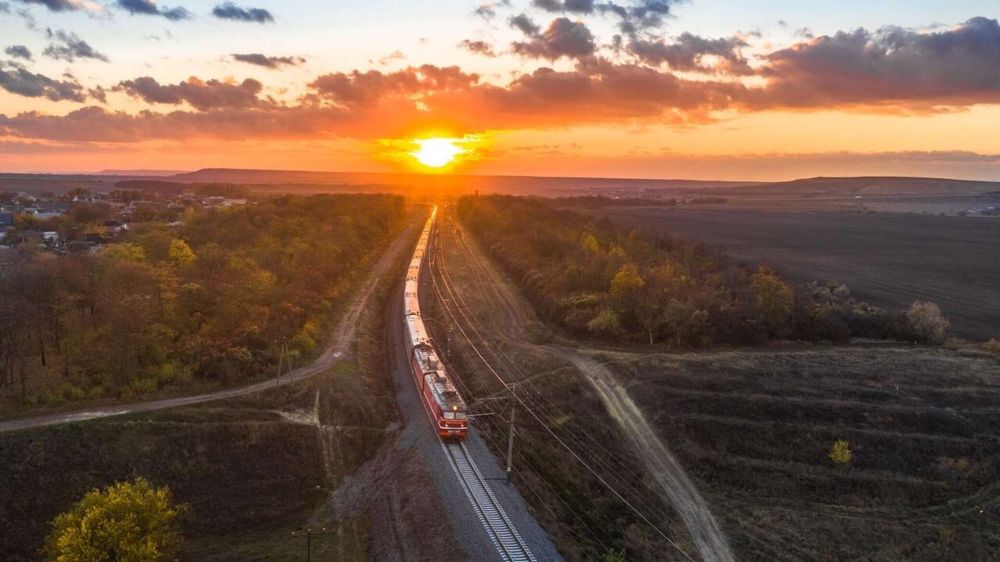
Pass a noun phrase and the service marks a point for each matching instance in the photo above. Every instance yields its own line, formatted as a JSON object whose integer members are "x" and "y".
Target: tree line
{"x": 594, "y": 278}
{"x": 216, "y": 300}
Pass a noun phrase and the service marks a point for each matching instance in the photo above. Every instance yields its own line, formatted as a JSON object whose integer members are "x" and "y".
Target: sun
{"x": 437, "y": 152}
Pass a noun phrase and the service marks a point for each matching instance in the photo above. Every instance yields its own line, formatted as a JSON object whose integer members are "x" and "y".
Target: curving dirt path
{"x": 669, "y": 474}
{"x": 678, "y": 489}
{"x": 340, "y": 343}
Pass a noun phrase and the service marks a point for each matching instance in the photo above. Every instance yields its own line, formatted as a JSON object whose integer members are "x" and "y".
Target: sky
{"x": 700, "y": 89}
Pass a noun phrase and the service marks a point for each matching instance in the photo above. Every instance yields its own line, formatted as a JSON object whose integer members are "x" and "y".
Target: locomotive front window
{"x": 451, "y": 415}
{"x": 460, "y": 416}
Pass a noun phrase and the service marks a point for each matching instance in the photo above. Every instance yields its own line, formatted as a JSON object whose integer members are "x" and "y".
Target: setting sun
{"x": 436, "y": 152}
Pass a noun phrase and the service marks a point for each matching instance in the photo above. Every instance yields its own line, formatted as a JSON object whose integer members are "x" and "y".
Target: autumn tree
{"x": 774, "y": 301}
{"x": 126, "y": 522}
{"x": 927, "y": 322}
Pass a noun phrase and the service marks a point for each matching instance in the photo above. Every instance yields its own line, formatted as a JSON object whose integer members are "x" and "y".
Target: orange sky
{"x": 658, "y": 89}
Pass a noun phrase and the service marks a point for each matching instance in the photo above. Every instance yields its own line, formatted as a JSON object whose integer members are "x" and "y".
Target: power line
{"x": 540, "y": 421}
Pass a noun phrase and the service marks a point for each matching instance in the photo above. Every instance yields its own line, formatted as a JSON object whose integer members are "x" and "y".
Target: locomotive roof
{"x": 442, "y": 388}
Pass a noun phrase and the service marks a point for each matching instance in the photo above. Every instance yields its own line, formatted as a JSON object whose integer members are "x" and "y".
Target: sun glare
{"x": 436, "y": 152}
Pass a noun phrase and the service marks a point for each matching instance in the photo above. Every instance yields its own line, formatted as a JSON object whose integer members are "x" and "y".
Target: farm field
{"x": 889, "y": 260}
{"x": 753, "y": 428}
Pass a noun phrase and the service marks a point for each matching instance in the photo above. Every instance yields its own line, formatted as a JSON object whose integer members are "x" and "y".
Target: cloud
{"x": 688, "y": 52}
{"x": 890, "y": 70}
{"x": 640, "y": 15}
{"x": 574, "y": 6}
{"x": 18, "y": 52}
{"x": 478, "y": 47}
{"x": 18, "y": 80}
{"x": 488, "y": 10}
{"x": 368, "y": 88}
{"x": 230, "y": 11}
{"x": 4, "y": 8}
{"x": 890, "y": 66}
{"x": 71, "y": 47}
{"x": 525, "y": 24}
{"x": 65, "y": 5}
{"x": 266, "y": 61}
{"x": 200, "y": 94}
{"x": 562, "y": 38}
{"x": 150, "y": 8}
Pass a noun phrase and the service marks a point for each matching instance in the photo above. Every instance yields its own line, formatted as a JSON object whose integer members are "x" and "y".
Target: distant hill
{"x": 140, "y": 173}
{"x": 305, "y": 181}
{"x": 535, "y": 185}
{"x": 874, "y": 186}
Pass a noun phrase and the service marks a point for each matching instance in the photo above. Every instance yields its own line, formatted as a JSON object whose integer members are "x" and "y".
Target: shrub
{"x": 840, "y": 452}
{"x": 927, "y": 323}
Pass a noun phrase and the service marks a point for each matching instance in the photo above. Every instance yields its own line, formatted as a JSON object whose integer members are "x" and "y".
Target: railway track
{"x": 509, "y": 544}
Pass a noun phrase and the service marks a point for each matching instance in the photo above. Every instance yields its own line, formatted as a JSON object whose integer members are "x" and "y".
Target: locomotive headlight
{"x": 454, "y": 408}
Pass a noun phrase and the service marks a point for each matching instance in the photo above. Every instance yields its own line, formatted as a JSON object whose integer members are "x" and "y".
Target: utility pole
{"x": 510, "y": 435}
{"x": 282, "y": 358}
{"x": 308, "y": 533}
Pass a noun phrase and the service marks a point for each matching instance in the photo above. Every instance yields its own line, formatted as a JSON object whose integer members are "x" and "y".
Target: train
{"x": 442, "y": 402}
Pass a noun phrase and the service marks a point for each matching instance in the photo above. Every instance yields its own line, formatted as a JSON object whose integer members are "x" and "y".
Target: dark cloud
{"x": 891, "y": 66}
{"x": 368, "y": 88}
{"x": 562, "y": 38}
{"x": 640, "y": 15}
{"x": 230, "y": 11}
{"x": 18, "y": 80}
{"x": 573, "y": 6}
{"x": 58, "y": 5}
{"x": 525, "y": 24}
{"x": 478, "y": 47}
{"x": 200, "y": 94}
{"x": 150, "y": 8}
{"x": 488, "y": 10}
{"x": 69, "y": 47}
{"x": 687, "y": 52}
{"x": 266, "y": 61}
{"x": 18, "y": 52}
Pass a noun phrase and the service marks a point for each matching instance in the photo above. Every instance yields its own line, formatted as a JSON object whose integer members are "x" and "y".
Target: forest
{"x": 214, "y": 300}
{"x": 593, "y": 278}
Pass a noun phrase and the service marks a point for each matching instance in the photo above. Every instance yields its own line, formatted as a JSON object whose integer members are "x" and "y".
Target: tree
{"x": 927, "y": 322}
{"x": 180, "y": 254}
{"x": 605, "y": 323}
{"x": 774, "y": 301}
{"x": 840, "y": 452}
{"x": 126, "y": 522}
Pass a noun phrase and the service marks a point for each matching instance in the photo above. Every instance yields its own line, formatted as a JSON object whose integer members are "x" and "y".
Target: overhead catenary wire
{"x": 601, "y": 461}
{"x": 531, "y": 411}
{"x": 591, "y": 443}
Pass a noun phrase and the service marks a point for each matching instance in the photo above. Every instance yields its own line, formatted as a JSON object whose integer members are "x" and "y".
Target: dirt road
{"x": 514, "y": 325}
{"x": 704, "y": 530}
{"x": 340, "y": 343}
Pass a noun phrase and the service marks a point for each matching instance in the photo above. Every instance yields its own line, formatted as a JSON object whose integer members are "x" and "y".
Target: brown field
{"x": 887, "y": 259}
{"x": 753, "y": 428}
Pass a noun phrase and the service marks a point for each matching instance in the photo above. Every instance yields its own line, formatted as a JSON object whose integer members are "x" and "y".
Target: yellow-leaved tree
{"x": 840, "y": 452}
{"x": 125, "y": 522}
